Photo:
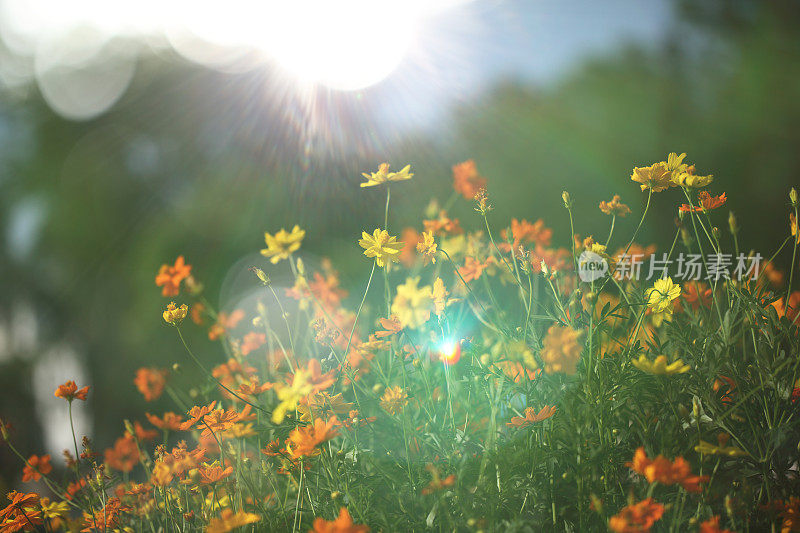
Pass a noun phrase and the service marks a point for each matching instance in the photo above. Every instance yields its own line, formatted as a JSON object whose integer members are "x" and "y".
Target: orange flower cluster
{"x": 662, "y": 470}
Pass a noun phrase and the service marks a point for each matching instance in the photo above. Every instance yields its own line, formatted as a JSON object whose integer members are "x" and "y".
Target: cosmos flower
{"x": 36, "y": 467}
{"x": 662, "y": 470}
{"x": 561, "y": 350}
{"x": 413, "y": 305}
{"x": 383, "y": 247}
{"x": 660, "y": 296}
{"x": 394, "y": 399}
{"x": 174, "y": 315}
{"x": 437, "y": 483}
{"x": 532, "y": 417}
{"x": 342, "y": 524}
{"x": 655, "y": 177}
{"x": 69, "y": 391}
{"x": 660, "y": 367}
{"x": 384, "y": 176}
{"x": 150, "y": 382}
{"x": 170, "y": 277}
{"x": 427, "y": 246}
{"x": 466, "y": 179}
{"x": 228, "y": 521}
{"x": 615, "y": 207}
{"x": 637, "y": 518}
{"x": 281, "y": 245}
{"x": 213, "y": 473}
{"x": 707, "y": 203}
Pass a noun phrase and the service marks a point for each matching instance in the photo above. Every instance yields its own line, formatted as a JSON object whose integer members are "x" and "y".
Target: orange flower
{"x": 228, "y": 521}
{"x": 36, "y": 468}
{"x": 524, "y": 231}
{"x": 224, "y": 324}
{"x": 408, "y": 254}
{"x": 712, "y": 526}
{"x": 793, "y": 227}
{"x": 728, "y": 386}
{"x": 22, "y": 513}
{"x": 196, "y": 413}
{"x": 789, "y": 311}
{"x": 124, "y": 455}
{"x": 170, "y": 277}
{"x": 150, "y": 382}
{"x": 696, "y": 293}
{"x": 394, "y": 399}
{"x": 437, "y": 483}
{"x": 343, "y": 524}
{"x": 531, "y": 416}
{"x": 170, "y": 421}
{"x": 442, "y": 225}
{"x": 466, "y": 180}
{"x": 662, "y": 470}
{"x": 143, "y": 434}
{"x": 473, "y": 268}
{"x": 213, "y": 473}
{"x": 106, "y": 518}
{"x": 391, "y": 327}
{"x": 252, "y": 341}
{"x": 561, "y": 350}
{"x": 707, "y": 203}
{"x": 637, "y": 518}
{"x": 302, "y": 442}
{"x": 615, "y": 207}
{"x": 69, "y": 391}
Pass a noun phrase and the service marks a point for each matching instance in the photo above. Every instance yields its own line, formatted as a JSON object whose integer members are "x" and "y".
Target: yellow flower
{"x": 655, "y": 177}
{"x": 228, "y": 520}
{"x": 427, "y": 246}
{"x": 687, "y": 179}
{"x": 54, "y": 510}
{"x": 710, "y": 449}
{"x": 383, "y": 175}
{"x": 394, "y": 399}
{"x": 175, "y": 315}
{"x": 382, "y": 246}
{"x": 675, "y": 164}
{"x": 290, "y": 395}
{"x": 660, "y": 296}
{"x": 413, "y": 304}
{"x": 281, "y": 245}
{"x": 660, "y": 367}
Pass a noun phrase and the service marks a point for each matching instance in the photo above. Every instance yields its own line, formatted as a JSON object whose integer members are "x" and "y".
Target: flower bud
{"x": 715, "y": 233}
{"x": 732, "y": 223}
{"x": 567, "y": 200}
{"x": 793, "y": 197}
{"x": 261, "y": 275}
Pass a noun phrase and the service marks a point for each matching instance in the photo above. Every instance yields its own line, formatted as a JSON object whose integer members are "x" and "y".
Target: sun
{"x": 347, "y": 45}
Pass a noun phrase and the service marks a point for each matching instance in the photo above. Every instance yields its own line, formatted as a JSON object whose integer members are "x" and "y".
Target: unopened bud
{"x": 129, "y": 427}
{"x": 545, "y": 269}
{"x": 732, "y": 223}
{"x": 715, "y": 233}
{"x": 261, "y": 275}
{"x": 566, "y": 198}
{"x": 793, "y": 197}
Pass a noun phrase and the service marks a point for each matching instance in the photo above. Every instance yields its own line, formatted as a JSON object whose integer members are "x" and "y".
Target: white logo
{"x": 591, "y": 266}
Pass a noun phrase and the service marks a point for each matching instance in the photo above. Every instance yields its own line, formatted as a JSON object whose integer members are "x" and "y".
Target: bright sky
{"x": 430, "y": 51}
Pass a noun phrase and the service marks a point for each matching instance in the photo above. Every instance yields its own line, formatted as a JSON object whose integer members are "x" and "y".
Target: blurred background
{"x": 132, "y": 132}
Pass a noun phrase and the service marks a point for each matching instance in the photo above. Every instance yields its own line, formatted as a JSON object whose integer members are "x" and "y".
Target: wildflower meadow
{"x": 487, "y": 375}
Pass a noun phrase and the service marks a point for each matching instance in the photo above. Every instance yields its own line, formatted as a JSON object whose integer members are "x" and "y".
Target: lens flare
{"x": 449, "y": 352}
